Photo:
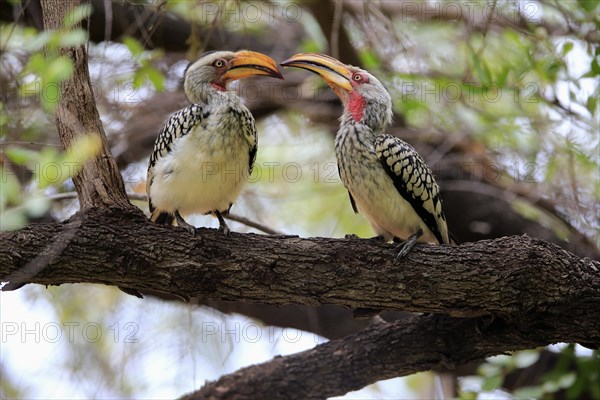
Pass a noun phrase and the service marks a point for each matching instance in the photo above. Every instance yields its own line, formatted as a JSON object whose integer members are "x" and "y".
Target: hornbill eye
{"x": 219, "y": 63}
{"x": 357, "y": 77}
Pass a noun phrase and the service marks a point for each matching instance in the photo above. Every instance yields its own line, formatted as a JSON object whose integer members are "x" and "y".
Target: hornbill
{"x": 386, "y": 178}
{"x": 205, "y": 152}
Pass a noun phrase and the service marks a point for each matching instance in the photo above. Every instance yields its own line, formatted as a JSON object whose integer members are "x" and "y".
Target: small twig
{"x": 15, "y": 23}
{"x": 252, "y": 224}
{"x": 335, "y": 29}
{"x": 143, "y": 197}
{"x": 24, "y": 143}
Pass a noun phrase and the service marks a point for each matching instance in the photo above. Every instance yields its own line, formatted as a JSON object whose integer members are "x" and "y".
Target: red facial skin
{"x": 356, "y": 103}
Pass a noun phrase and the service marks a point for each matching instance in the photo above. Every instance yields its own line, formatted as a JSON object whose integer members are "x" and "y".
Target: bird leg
{"x": 406, "y": 246}
{"x": 181, "y": 223}
{"x": 222, "y": 224}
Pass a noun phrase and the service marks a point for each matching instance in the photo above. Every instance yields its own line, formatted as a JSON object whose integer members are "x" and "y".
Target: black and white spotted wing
{"x": 179, "y": 124}
{"x": 414, "y": 180}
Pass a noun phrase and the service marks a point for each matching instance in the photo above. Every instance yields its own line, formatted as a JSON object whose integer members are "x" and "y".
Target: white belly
{"x": 200, "y": 175}
{"x": 377, "y": 199}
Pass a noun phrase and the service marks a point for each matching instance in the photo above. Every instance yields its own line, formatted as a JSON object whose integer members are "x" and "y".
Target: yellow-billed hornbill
{"x": 204, "y": 154}
{"x": 386, "y": 178}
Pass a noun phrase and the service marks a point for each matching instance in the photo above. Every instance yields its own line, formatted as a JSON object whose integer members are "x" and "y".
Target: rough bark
{"x": 503, "y": 277}
{"x": 489, "y": 212}
{"x": 99, "y": 183}
{"x": 518, "y": 293}
{"x": 382, "y": 351}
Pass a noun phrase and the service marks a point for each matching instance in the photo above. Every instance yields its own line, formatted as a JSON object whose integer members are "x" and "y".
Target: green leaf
{"x": 139, "y": 77}
{"x": 369, "y": 59}
{"x": 588, "y": 5}
{"x": 58, "y": 70}
{"x": 468, "y": 396}
{"x": 12, "y": 219}
{"x": 48, "y": 170}
{"x": 134, "y": 46}
{"x": 36, "y": 64}
{"x": 502, "y": 75}
{"x": 592, "y": 104}
{"x": 310, "y": 46}
{"x": 38, "y": 41}
{"x": 50, "y": 95}
{"x": 482, "y": 69}
{"x": 76, "y": 15}
{"x": 528, "y": 392}
{"x": 20, "y": 156}
{"x": 595, "y": 68}
{"x": 10, "y": 190}
{"x": 83, "y": 149}
{"x": 156, "y": 77}
{"x": 576, "y": 390}
{"x": 492, "y": 383}
{"x": 73, "y": 38}
{"x": 568, "y": 46}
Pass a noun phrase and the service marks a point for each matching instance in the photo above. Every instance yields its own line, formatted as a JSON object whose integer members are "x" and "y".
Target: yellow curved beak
{"x": 248, "y": 63}
{"x": 335, "y": 73}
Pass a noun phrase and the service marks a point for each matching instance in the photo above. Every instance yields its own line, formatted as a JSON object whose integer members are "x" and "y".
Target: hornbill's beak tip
{"x": 249, "y": 63}
{"x": 334, "y": 72}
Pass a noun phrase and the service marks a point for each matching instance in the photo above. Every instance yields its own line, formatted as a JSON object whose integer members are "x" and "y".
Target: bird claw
{"x": 351, "y": 236}
{"x": 406, "y": 246}
{"x": 182, "y": 224}
{"x": 223, "y": 228}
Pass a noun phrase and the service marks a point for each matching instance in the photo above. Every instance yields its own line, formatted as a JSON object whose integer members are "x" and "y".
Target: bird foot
{"x": 351, "y": 236}
{"x": 182, "y": 224}
{"x": 223, "y": 228}
{"x": 406, "y": 246}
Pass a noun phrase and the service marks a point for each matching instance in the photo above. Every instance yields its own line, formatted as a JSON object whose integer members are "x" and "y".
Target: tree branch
{"x": 381, "y": 351}
{"x": 518, "y": 292}
{"x": 506, "y": 277}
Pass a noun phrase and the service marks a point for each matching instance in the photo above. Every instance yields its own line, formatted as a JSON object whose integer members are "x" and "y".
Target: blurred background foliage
{"x": 500, "y": 97}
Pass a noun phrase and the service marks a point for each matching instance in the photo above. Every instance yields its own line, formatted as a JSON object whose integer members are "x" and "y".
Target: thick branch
{"x": 152, "y": 25}
{"x": 381, "y": 351}
{"x": 504, "y": 277}
{"x": 522, "y": 293}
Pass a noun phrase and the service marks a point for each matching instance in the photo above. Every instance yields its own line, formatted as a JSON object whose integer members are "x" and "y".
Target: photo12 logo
{"x": 54, "y": 332}
{"x": 249, "y": 12}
